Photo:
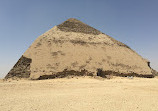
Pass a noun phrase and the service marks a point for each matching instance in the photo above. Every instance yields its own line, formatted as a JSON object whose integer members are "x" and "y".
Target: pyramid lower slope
{"x": 65, "y": 51}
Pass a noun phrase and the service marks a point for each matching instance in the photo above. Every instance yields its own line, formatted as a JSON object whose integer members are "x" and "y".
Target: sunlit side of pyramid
{"x": 74, "y": 48}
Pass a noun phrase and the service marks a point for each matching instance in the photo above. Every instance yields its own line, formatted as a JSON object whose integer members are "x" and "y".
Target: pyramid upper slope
{"x": 74, "y": 25}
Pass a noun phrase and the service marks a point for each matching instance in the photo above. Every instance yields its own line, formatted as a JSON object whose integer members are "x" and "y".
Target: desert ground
{"x": 80, "y": 94}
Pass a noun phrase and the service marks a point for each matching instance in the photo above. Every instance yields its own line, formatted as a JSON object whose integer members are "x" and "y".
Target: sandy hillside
{"x": 80, "y": 94}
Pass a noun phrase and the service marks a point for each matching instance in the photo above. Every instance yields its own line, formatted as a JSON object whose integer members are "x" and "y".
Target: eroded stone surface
{"x": 21, "y": 69}
{"x": 74, "y": 25}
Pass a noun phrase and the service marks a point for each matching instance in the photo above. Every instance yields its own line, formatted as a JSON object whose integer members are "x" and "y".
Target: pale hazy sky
{"x": 133, "y": 22}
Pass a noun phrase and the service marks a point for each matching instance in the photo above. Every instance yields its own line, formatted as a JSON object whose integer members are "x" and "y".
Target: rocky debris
{"x": 66, "y": 73}
{"x": 106, "y": 73}
{"x": 154, "y": 72}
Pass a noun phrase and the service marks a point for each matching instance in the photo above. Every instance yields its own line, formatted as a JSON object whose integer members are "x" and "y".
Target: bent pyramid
{"x": 74, "y": 48}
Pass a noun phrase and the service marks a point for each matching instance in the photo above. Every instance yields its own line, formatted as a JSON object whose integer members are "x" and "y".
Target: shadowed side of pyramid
{"x": 21, "y": 69}
{"x": 75, "y": 48}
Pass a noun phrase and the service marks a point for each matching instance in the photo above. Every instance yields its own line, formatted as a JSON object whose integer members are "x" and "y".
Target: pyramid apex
{"x": 73, "y": 20}
{"x": 74, "y": 25}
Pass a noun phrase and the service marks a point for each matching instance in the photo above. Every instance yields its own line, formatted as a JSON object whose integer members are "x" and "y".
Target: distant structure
{"x": 75, "y": 48}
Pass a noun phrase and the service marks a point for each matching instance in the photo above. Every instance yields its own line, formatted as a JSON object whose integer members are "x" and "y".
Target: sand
{"x": 80, "y": 94}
